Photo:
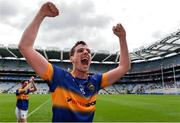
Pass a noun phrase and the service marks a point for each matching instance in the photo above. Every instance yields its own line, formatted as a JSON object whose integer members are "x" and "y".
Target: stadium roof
{"x": 165, "y": 47}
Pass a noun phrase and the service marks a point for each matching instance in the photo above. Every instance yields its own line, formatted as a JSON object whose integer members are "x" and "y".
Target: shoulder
{"x": 18, "y": 91}
{"x": 96, "y": 76}
{"x": 59, "y": 70}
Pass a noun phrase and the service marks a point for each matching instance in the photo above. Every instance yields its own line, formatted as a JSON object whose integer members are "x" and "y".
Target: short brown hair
{"x": 23, "y": 81}
{"x": 71, "y": 53}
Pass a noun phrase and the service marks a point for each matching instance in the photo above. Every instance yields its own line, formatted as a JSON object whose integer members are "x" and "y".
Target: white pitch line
{"x": 38, "y": 108}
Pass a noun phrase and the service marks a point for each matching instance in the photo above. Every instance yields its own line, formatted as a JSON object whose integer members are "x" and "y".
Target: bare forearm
{"x": 124, "y": 59}
{"x": 34, "y": 86}
{"x": 29, "y": 35}
{"x": 27, "y": 41}
{"x": 33, "y": 57}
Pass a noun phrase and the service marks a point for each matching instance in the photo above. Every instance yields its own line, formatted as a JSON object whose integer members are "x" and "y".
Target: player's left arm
{"x": 23, "y": 90}
{"x": 124, "y": 61}
{"x": 34, "y": 88}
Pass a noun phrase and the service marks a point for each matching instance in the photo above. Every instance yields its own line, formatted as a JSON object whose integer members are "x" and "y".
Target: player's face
{"x": 81, "y": 59}
{"x": 25, "y": 84}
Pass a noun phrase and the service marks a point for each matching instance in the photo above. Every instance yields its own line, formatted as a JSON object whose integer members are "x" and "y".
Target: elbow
{"x": 129, "y": 66}
{"x": 24, "y": 48}
{"x": 126, "y": 67}
{"x": 35, "y": 89}
{"x": 21, "y": 47}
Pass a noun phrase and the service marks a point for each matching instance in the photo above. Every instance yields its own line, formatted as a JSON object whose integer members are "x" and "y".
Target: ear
{"x": 71, "y": 59}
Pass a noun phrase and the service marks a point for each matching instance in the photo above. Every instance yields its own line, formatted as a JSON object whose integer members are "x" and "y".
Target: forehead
{"x": 80, "y": 46}
{"x": 26, "y": 82}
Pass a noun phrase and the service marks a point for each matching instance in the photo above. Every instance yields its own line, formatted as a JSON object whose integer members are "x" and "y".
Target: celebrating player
{"x": 73, "y": 93}
{"x": 23, "y": 99}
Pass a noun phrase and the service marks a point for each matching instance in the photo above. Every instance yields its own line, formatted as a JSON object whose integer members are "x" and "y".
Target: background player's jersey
{"x": 22, "y": 99}
{"x": 73, "y": 99}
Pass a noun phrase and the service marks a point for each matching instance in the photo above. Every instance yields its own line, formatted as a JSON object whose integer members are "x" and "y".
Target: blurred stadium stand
{"x": 155, "y": 67}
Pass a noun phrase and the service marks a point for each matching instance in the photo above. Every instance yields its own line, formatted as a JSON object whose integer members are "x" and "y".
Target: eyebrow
{"x": 83, "y": 49}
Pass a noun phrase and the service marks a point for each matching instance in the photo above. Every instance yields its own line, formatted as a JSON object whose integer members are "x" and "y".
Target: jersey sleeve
{"x": 48, "y": 73}
{"x": 17, "y": 92}
{"x": 54, "y": 75}
{"x": 104, "y": 81}
{"x": 100, "y": 81}
{"x": 25, "y": 92}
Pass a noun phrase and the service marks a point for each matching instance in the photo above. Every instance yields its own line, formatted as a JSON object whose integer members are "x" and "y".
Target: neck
{"x": 79, "y": 74}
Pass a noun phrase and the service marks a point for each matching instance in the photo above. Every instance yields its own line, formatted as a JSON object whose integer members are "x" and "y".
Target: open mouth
{"x": 85, "y": 61}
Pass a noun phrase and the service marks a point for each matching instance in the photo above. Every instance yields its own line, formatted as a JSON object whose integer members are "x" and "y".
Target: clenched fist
{"x": 49, "y": 10}
{"x": 31, "y": 79}
{"x": 119, "y": 31}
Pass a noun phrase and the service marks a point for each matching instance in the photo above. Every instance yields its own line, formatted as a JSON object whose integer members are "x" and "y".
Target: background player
{"x": 23, "y": 99}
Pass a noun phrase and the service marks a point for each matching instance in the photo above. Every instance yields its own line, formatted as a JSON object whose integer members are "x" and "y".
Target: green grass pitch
{"x": 109, "y": 108}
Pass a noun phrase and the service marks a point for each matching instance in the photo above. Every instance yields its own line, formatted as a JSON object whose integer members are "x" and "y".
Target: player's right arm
{"x": 34, "y": 58}
{"x": 33, "y": 88}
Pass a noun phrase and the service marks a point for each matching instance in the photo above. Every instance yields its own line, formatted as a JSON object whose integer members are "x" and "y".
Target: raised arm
{"x": 34, "y": 58}
{"x": 22, "y": 90}
{"x": 31, "y": 80}
{"x": 124, "y": 60}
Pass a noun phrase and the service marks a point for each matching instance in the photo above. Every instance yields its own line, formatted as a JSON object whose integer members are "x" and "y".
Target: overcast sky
{"x": 145, "y": 21}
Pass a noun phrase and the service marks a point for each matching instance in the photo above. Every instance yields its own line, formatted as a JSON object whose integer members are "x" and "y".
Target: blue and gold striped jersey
{"x": 22, "y": 99}
{"x": 73, "y": 99}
